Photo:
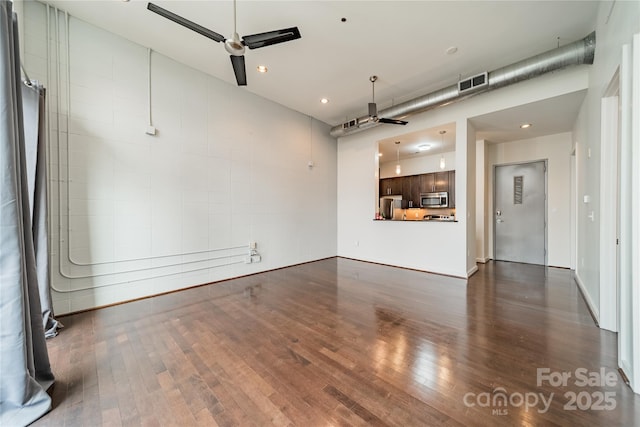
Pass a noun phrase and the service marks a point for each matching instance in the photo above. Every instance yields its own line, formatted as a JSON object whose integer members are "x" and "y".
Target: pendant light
{"x": 398, "y": 170}
{"x": 442, "y": 163}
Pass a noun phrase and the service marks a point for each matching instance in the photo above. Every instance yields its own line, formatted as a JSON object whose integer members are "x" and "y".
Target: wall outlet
{"x": 248, "y": 259}
{"x": 151, "y": 130}
{"x": 256, "y": 258}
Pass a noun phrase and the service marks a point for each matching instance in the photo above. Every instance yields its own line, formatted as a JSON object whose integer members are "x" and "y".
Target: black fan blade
{"x": 239, "y": 70}
{"x": 254, "y": 41}
{"x": 186, "y": 23}
{"x": 393, "y": 121}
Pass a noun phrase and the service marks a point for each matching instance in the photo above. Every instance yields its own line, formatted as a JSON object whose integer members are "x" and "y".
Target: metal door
{"x": 520, "y": 214}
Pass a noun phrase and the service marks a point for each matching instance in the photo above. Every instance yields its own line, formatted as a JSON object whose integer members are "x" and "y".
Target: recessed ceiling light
{"x": 262, "y": 69}
{"x": 324, "y": 100}
{"x": 525, "y": 125}
{"x": 424, "y": 147}
{"x": 451, "y": 50}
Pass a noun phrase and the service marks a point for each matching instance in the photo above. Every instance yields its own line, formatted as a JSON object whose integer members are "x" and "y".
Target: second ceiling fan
{"x": 373, "y": 108}
{"x": 233, "y": 45}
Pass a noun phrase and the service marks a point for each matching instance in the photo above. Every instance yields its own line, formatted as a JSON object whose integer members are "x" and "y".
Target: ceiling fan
{"x": 373, "y": 109}
{"x": 233, "y": 45}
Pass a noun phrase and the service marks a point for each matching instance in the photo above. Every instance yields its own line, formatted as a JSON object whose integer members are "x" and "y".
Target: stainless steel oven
{"x": 434, "y": 200}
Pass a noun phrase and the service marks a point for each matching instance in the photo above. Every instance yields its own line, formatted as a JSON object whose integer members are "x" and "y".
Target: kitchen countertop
{"x": 416, "y": 220}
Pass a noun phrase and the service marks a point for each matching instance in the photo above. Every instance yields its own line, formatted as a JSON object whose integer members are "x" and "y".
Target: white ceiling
{"x": 409, "y": 142}
{"x": 404, "y": 43}
{"x": 547, "y": 117}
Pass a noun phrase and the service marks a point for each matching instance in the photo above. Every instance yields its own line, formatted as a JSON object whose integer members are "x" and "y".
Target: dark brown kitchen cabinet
{"x": 410, "y": 187}
{"x": 427, "y": 182}
{"x": 452, "y": 189}
{"x": 391, "y": 186}
{"x": 435, "y": 182}
{"x": 406, "y": 188}
{"x": 441, "y": 182}
{"x": 385, "y": 187}
{"x": 416, "y": 189}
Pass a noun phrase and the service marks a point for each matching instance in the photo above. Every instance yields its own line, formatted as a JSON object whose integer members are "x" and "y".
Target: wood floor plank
{"x": 339, "y": 342}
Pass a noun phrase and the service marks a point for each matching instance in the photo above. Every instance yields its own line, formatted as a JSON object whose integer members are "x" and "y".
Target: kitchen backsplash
{"x": 416, "y": 214}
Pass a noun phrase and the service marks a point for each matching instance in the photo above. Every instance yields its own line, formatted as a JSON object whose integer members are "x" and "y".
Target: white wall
{"x": 437, "y": 247}
{"x": 483, "y": 213}
{"x": 426, "y": 246}
{"x": 613, "y": 32}
{"x": 470, "y": 172}
{"x": 557, "y": 150}
{"x": 134, "y": 215}
{"x": 616, "y": 25}
{"x": 418, "y": 165}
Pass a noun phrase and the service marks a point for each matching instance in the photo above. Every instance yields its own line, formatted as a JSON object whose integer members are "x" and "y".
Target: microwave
{"x": 434, "y": 200}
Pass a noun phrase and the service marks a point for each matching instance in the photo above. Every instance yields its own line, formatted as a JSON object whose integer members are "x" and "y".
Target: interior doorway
{"x": 520, "y": 212}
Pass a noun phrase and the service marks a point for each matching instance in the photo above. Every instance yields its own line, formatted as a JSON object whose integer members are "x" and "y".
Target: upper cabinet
{"x": 391, "y": 186}
{"x": 435, "y": 182}
{"x": 452, "y": 189}
{"x": 416, "y": 189}
{"x": 410, "y": 187}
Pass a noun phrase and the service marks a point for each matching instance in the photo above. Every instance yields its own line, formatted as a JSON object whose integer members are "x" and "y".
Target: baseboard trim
{"x": 186, "y": 288}
{"x": 593, "y": 310}
{"x": 483, "y": 260}
{"x": 402, "y": 267}
{"x": 473, "y": 270}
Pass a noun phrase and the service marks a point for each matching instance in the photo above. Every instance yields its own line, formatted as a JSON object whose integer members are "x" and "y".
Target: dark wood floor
{"x": 341, "y": 342}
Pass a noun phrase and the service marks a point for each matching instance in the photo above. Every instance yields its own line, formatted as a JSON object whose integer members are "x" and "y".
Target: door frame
{"x": 629, "y": 291}
{"x": 609, "y": 205}
{"x": 546, "y": 203}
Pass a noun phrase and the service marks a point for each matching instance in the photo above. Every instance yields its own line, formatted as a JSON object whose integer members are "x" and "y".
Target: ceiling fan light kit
{"x": 233, "y": 45}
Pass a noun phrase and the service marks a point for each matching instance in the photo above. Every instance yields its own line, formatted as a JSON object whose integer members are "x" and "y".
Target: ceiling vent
{"x": 350, "y": 124}
{"x": 474, "y": 82}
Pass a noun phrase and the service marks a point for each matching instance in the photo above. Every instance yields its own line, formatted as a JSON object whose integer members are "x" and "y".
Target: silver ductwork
{"x": 576, "y": 53}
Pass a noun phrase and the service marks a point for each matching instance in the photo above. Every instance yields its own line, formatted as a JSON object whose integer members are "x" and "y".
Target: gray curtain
{"x": 25, "y": 371}
{"x": 33, "y": 107}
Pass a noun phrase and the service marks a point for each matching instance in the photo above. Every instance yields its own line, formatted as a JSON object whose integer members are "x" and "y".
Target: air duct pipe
{"x": 576, "y": 53}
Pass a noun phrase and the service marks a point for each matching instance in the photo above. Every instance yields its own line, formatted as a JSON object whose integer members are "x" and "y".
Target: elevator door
{"x": 520, "y": 233}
